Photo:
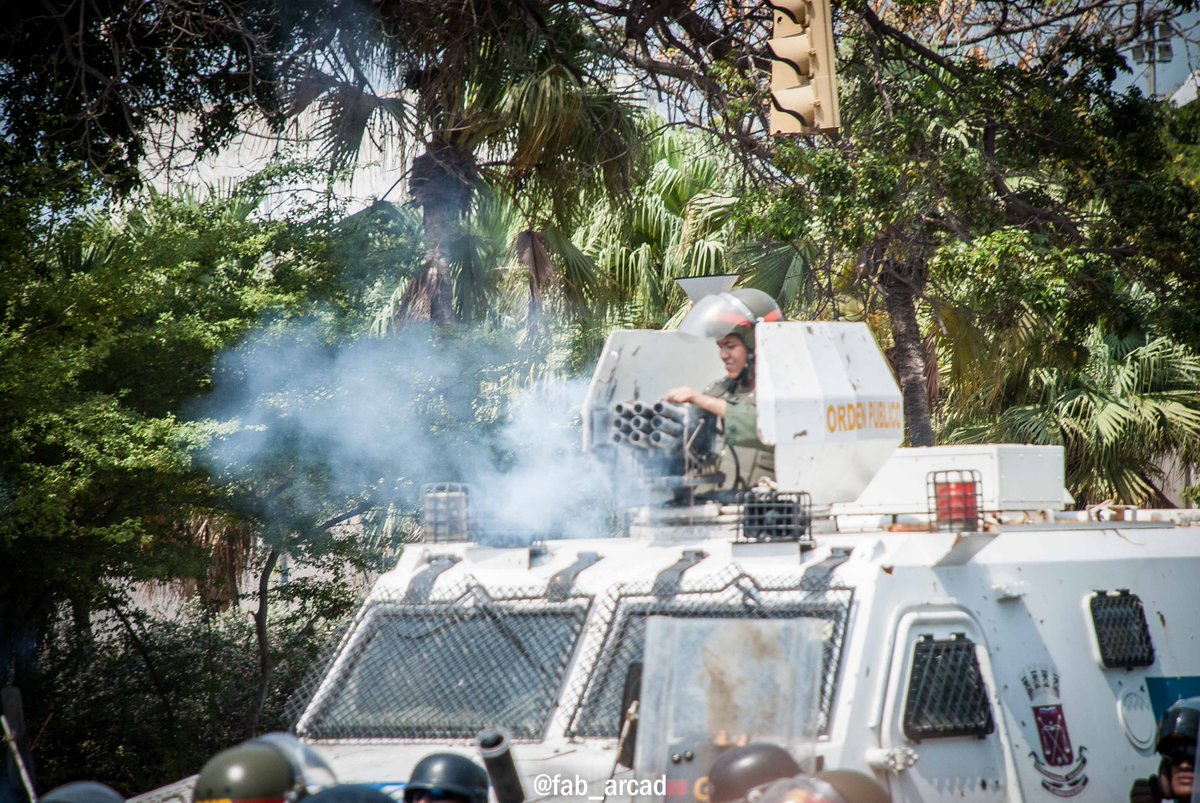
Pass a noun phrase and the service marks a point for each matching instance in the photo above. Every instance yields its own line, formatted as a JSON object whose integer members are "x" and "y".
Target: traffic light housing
{"x": 804, "y": 97}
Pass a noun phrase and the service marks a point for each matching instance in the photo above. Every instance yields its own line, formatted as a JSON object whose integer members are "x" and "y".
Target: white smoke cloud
{"x": 327, "y": 423}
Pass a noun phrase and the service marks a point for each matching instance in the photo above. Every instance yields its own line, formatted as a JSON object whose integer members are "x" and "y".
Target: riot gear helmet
{"x": 1178, "y": 727}
{"x": 1175, "y": 741}
{"x": 350, "y": 793}
{"x": 83, "y": 792}
{"x": 734, "y": 313}
{"x": 741, "y": 769}
{"x": 274, "y": 767}
{"x": 248, "y": 771}
{"x": 448, "y": 773}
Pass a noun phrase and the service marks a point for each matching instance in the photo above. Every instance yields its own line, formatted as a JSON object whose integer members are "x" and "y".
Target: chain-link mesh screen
{"x": 450, "y": 667}
{"x": 597, "y": 698}
{"x": 1121, "y": 630}
{"x": 946, "y": 695}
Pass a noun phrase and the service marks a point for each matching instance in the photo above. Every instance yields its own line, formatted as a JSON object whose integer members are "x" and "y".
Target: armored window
{"x": 946, "y": 694}
{"x": 598, "y": 701}
{"x": 447, "y": 671}
{"x": 1122, "y": 634}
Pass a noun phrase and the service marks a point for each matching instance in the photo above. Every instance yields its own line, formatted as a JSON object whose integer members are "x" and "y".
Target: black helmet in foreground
{"x": 741, "y": 769}
{"x": 1179, "y": 725}
{"x": 83, "y": 792}
{"x": 449, "y": 772}
{"x": 349, "y": 793}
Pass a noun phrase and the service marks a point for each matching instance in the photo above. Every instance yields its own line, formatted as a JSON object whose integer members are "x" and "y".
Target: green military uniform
{"x": 744, "y": 459}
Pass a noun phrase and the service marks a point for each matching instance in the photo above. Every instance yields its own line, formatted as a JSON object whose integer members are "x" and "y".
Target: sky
{"x": 1170, "y": 76}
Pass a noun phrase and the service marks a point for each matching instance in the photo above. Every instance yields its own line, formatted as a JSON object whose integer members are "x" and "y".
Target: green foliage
{"x": 678, "y": 224}
{"x": 81, "y": 85}
{"x": 1014, "y": 206}
{"x": 144, "y": 699}
{"x": 109, "y": 328}
{"x": 1125, "y": 406}
{"x": 1183, "y": 142}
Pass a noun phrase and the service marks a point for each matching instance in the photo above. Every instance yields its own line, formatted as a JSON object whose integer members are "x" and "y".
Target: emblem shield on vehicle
{"x": 1041, "y": 684}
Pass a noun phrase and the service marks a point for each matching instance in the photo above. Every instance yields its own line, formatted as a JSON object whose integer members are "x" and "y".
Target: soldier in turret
{"x": 730, "y": 318}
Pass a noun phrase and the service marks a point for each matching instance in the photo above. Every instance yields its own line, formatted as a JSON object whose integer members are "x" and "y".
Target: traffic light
{"x": 804, "y": 96}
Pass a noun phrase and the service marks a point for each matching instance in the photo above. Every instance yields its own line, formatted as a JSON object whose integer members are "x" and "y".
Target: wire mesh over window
{"x": 955, "y": 500}
{"x": 946, "y": 694}
{"x": 446, "y": 670}
{"x": 1121, "y": 630}
{"x": 598, "y": 702}
{"x": 775, "y": 516}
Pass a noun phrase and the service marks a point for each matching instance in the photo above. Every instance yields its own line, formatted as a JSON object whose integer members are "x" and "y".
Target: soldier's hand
{"x": 680, "y": 395}
{"x": 1146, "y": 790}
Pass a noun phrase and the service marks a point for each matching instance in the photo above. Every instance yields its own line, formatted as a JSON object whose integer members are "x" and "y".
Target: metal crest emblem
{"x": 1061, "y": 767}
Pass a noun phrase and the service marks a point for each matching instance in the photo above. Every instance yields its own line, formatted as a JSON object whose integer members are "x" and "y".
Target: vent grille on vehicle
{"x": 946, "y": 694}
{"x": 598, "y": 698}
{"x": 775, "y": 516}
{"x": 449, "y": 667}
{"x": 1121, "y": 630}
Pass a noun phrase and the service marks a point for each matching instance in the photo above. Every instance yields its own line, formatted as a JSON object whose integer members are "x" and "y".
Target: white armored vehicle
{"x": 933, "y": 617}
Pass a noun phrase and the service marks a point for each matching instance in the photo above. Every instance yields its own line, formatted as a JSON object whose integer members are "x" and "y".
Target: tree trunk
{"x": 899, "y": 283}
{"x": 265, "y": 664}
{"x": 443, "y": 179}
{"x": 439, "y": 221}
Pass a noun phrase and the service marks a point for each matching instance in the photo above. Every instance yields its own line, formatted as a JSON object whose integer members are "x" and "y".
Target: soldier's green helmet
{"x": 741, "y": 769}
{"x": 448, "y": 772}
{"x": 732, "y": 313}
{"x": 275, "y": 768}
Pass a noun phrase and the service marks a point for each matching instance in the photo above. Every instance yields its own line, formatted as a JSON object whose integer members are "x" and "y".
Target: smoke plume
{"x": 314, "y": 427}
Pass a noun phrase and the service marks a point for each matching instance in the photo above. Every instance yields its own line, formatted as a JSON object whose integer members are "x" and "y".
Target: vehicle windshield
{"x": 448, "y": 671}
{"x": 598, "y": 708}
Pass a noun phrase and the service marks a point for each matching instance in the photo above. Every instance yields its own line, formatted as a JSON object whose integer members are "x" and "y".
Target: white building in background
{"x": 380, "y": 172}
{"x": 1186, "y": 93}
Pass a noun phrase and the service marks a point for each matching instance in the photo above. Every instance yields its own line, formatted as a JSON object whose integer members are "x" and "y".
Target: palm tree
{"x": 510, "y": 96}
{"x": 1128, "y": 404}
{"x": 682, "y": 222}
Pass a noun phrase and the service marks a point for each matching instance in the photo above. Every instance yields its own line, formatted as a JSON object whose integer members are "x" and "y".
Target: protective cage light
{"x": 955, "y": 500}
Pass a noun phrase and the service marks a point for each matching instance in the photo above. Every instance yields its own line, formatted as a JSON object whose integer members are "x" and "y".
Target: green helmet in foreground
{"x": 249, "y": 771}
{"x": 276, "y": 768}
